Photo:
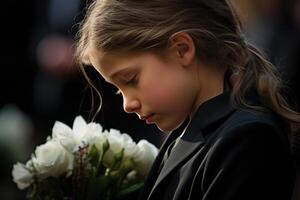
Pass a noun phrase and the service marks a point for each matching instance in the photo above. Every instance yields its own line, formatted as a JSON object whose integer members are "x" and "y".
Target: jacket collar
{"x": 206, "y": 115}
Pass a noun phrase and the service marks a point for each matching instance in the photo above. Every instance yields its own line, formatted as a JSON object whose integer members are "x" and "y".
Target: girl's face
{"x": 159, "y": 91}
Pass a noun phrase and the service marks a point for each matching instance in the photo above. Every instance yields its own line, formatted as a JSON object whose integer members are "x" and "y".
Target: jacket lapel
{"x": 193, "y": 139}
{"x": 179, "y": 154}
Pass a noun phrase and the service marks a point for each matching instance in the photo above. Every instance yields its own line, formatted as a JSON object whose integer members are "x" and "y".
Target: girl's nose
{"x": 131, "y": 105}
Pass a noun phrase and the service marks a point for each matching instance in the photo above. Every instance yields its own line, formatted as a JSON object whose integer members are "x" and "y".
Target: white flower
{"x": 29, "y": 165}
{"x": 99, "y": 141}
{"x": 146, "y": 156}
{"x": 85, "y": 132}
{"x": 64, "y": 135}
{"x": 131, "y": 175}
{"x": 51, "y": 159}
{"x": 124, "y": 162}
{"x": 81, "y": 133}
{"x": 117, "y": 142}
{"x": 115, "y": 146}
{"x": 21, "y": 176}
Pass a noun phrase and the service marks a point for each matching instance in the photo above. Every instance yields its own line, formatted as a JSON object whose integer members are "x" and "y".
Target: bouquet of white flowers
{"x": 85, "y": 162}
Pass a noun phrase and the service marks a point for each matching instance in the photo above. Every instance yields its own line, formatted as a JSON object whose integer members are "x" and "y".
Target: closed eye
{"x": 132, "y": 81}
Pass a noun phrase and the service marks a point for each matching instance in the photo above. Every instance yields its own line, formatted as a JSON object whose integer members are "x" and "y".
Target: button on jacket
{"x": 224, "y": 154}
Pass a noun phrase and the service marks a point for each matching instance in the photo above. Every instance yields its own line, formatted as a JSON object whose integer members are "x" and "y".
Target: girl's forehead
{"x": 102, "y": 60}
{"x": 105, "y": 58}
{"x": 108, "y": 63}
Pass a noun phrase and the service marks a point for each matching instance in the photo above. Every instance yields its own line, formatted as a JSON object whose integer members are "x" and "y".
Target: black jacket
{"x": 225, "y": 154}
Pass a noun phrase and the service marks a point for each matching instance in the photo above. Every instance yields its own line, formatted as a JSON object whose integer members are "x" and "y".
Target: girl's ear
{"x": 183, "y": 46}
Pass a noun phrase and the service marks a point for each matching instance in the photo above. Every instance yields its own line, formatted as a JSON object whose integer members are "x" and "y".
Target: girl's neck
{"x": 212, "y": 86}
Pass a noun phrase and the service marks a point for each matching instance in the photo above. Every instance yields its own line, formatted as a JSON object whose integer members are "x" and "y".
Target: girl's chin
{"x": 168, "y": 124}
{"x": 167, "y": 128}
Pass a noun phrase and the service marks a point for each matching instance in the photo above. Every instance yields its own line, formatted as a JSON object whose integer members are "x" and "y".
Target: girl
{"x": 172, "y": 60}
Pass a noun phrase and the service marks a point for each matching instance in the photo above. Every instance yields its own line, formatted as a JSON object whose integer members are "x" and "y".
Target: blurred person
{"x": 54, "y": 95}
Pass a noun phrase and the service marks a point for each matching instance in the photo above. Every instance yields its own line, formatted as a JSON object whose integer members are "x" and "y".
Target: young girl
{"x": 172, "y": 61}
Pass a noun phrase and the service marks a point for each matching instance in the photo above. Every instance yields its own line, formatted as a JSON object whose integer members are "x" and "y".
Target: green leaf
{"x": 94, "y": 156}
{"x": 98, "y": 187}
{"x": 105, "y": 146}
{"x": 128, "y": 165}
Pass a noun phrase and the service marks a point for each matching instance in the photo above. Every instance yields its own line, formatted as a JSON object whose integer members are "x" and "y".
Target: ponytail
{"x": 260, "y": 75}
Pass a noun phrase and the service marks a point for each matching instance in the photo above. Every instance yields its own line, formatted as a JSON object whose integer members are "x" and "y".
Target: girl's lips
{"x": 149, "y": 119}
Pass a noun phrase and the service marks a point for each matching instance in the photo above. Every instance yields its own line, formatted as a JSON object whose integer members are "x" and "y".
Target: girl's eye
{"x": 133, "y": 81}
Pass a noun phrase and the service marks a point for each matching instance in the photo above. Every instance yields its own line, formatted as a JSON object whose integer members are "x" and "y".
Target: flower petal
{"x": 21, "y": 176}
{"x": 79, "y": 125}
{"x": 60, "y": 128}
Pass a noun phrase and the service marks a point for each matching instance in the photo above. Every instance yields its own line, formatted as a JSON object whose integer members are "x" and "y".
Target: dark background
{"x": 40, "y": 84}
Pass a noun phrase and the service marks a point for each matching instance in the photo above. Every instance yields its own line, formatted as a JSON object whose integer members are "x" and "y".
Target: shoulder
{"x": 249, "y": 148}
{"x": 254, "y": 120}
{"x": 251, "y": 136}
{"x": 250, "y": 117}
{"x": 252, "y": 127}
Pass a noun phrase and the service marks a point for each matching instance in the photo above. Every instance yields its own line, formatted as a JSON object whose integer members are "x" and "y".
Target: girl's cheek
{"x": 149, "y": 92}
{"x": 157, "y": 95}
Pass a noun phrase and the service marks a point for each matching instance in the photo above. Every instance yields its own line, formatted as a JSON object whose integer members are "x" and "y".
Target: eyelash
{"x": 131, "y": 82}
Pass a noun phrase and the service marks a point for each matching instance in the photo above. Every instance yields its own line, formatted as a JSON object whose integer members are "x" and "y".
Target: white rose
{"x": 85, "y": 132}
{"x": 21, "y": 176}
{"x": 64, "y": 135}
{"x": 98, "y": 141}
{"x": 115, "y": 146}
{"x": 131, "y": 149}
{"x": 81, "y": 133}
{"x": 126, "y": 142}
{"x": 131, "y": 176}
{"x": 117, "y": 142}
{"x": 52, "y": 159}
{"x": 146, "y": 156}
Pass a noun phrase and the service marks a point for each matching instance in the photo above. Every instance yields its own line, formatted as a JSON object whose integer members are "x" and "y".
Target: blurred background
{"x": 40, "y": 83}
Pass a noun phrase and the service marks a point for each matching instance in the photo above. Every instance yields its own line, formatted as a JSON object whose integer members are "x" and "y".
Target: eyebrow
{"x": 121, "y": 72}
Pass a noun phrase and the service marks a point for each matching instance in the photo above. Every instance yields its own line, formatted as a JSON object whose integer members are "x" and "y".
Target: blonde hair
{"x": 143, "y": 25}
